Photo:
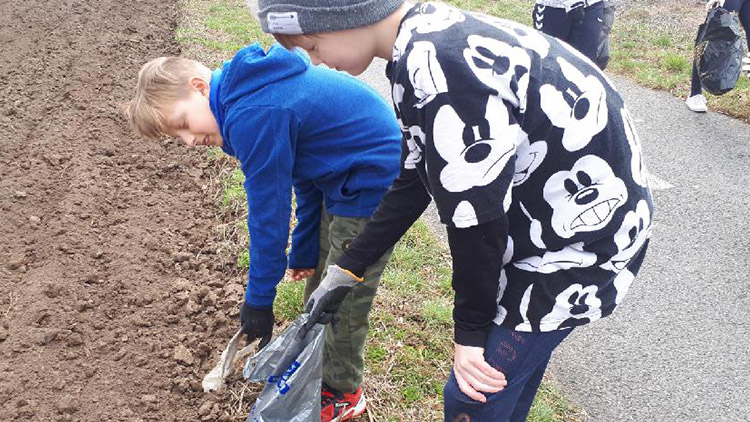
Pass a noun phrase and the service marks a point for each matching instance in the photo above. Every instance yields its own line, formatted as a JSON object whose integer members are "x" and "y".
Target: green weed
{"x": 675, "y": 63}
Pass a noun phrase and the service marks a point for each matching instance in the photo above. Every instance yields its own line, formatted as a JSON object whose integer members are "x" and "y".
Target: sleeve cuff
{"x": 475, "y": 338}
{"x": 345, "y": 262}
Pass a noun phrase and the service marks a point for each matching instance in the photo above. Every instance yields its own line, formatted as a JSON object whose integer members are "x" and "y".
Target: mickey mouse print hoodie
{"x": 534, "y": 165}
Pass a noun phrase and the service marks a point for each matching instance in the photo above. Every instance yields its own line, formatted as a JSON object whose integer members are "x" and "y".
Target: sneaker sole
{"x": 697, "y": 110}
{"x": 357, "y": 410}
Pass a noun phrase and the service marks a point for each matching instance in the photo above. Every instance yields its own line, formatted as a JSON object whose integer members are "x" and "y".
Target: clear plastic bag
{"x": 291, "y": 368}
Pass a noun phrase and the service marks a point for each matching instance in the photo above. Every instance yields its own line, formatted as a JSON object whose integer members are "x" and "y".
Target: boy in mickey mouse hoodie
{"x": 533, "y": 162}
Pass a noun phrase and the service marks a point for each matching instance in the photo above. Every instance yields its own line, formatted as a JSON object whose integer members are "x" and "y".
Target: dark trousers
{"x": 584, "y": 36}
{"x": 741, "y": 6}
{"x": 523, "y": 358}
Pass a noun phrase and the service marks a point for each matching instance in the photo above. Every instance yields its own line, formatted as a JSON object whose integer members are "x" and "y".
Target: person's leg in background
{"x": 696, "y": 101}
{"x": 585, "y": 36}
{"x": 745, "y": 21}
{"x": 523, "y": 358}
{"x": 552, "y": 21}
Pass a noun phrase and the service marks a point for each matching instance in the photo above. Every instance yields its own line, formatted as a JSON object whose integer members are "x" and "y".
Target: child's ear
{"x": 199, "y": 84}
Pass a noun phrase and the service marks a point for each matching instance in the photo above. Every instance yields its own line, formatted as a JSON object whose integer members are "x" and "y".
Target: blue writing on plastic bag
{"x": 281, "y": 382}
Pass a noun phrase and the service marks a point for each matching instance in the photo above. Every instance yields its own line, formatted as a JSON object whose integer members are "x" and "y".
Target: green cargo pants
{"x": 343, "y": 357}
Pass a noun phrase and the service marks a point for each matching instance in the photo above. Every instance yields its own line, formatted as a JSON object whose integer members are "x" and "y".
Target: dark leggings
{"x": 584, "y": 37}
{"x": 741, "y": 6}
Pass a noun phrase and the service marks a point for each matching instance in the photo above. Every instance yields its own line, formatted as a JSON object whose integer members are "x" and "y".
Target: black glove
{"x": 257, "y": 323}
{"x": 324, "y": 302}
{"x": 576, "y": 12}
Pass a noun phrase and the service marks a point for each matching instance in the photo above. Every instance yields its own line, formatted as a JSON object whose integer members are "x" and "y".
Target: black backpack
{"x": 718, "y": 51}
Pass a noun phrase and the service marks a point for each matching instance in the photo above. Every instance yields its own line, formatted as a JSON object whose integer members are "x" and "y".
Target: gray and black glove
{"x": 325, "y": 300}
{"x": 257, "y": 323}
{"x": 576, "y": 11}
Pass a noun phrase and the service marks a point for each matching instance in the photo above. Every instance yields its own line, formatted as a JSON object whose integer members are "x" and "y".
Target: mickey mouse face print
{"x": 635, "y": 230}
{"x": 475, "y": 155}
{"x": 501, "y": 67}
{"x": 580, "y": 107}
{"x": 584, "y": 198}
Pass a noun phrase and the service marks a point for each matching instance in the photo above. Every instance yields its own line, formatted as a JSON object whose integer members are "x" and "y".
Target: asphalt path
{"x": 678, "y": 348}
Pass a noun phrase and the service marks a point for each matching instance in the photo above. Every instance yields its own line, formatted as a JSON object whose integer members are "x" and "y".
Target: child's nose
{"x": 188, "y": 138}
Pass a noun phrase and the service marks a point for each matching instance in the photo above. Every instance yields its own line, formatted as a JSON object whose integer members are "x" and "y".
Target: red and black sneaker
{"x": 338, "y": 406}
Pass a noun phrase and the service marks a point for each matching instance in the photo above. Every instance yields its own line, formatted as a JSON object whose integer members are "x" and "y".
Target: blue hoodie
{"x": 291, "y": 125}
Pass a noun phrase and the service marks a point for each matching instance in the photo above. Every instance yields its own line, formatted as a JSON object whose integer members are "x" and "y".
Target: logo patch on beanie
{"x": 283, "y": 23}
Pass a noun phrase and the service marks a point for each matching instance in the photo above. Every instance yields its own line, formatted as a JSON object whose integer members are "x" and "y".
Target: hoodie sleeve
{"x": 263, "y": 141}
{"x": 306, "y": 236}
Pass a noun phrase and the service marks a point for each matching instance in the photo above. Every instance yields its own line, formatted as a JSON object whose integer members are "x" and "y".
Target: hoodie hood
{"x": 250, "y": 71}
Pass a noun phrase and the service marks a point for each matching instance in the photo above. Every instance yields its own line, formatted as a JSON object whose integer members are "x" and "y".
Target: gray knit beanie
{"x": 312, "y": 16}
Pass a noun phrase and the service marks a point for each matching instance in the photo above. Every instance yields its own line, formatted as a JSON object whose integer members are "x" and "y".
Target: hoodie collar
{"x": 214, "y": 101}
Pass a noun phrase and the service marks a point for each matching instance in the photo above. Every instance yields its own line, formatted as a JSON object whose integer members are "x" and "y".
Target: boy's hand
{"x": 257, "y": 323}
{"x": 474, "y": 374}
{"x": 298, "y": 274}
{"x": 326, "y": 299}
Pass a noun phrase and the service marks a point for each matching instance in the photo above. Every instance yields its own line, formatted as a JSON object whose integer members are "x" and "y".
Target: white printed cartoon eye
{"x": 584, "y": 198}
{"x": 415, "y": 142}
{"x": 475, "y": 155}
{"x": 425, "y": 73}
{"x": 575, "y": 302}
{"x": 527, "y": 38}
{"x": 580, "y": 109}
{"x": 501, "y": 67}
{"x": 636, "y": 160}
{"x": 635, "y": 230}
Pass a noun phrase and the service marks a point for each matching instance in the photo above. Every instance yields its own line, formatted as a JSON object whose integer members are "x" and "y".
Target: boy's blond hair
{"x": 161, "y": 82}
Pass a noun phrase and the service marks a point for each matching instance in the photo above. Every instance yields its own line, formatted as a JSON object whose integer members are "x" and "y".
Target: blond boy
{"x": 293, "y": 127}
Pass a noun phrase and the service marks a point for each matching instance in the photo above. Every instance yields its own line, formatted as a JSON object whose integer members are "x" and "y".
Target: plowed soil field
{"x": 113, "y": 297}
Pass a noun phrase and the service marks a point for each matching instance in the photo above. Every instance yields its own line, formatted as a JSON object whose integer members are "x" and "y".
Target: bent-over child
{"x": 323, "y": 134}
{"x": 534, "y": 164}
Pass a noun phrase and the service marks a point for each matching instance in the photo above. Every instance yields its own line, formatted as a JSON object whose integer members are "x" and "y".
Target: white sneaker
{"x": 697, "y": 103}
{"x": 746, "y": 64}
